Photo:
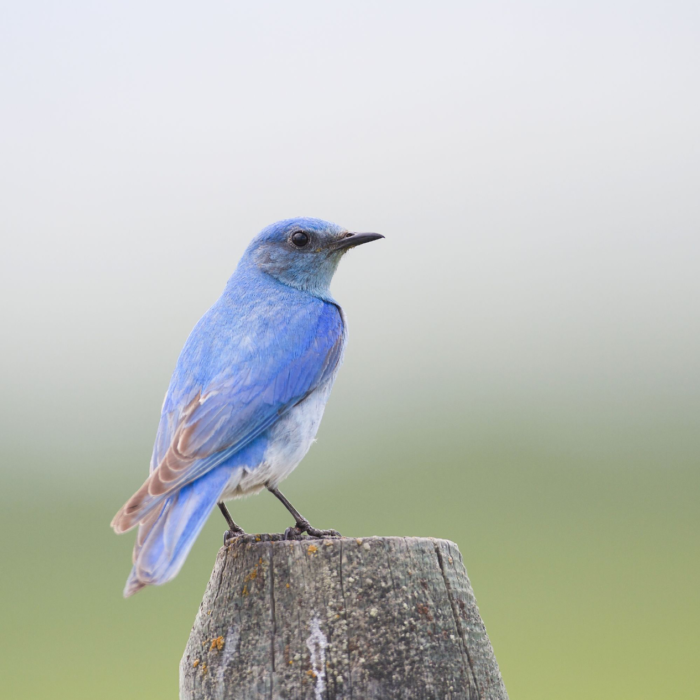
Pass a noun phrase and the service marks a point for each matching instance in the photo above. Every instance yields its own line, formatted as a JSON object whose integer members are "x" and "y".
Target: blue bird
{"x": 247, "y": 395}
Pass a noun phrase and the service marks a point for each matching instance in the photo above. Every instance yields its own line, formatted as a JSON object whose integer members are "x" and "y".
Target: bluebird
{"x": 247, "y": 395}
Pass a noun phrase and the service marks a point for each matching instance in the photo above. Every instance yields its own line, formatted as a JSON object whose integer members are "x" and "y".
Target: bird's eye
{"x": 300, "y": 239}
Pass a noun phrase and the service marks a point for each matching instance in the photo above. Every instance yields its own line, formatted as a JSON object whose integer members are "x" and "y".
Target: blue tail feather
{"x": 170, "y": 538}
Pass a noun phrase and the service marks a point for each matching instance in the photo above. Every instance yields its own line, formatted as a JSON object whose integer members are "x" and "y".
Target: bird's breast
{"x": 292, "y": 436}
{"x": 286, "y": 444}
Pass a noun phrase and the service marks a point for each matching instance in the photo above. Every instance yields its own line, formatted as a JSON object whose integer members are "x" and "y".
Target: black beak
{"x": 350, "y": 240}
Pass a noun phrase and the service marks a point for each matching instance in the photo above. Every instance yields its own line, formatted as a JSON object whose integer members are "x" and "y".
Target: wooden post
{"x": 369, "y": 619}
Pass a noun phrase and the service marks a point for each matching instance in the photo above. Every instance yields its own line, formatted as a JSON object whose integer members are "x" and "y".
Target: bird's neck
{"x": 317, "y": 283}
{"x": 249, "y": 278}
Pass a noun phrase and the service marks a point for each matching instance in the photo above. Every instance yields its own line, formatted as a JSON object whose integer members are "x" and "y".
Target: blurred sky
{"x": 535, "y": 168}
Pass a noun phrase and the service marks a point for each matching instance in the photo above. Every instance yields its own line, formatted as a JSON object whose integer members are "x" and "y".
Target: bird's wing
{"x": 216, "y": 418}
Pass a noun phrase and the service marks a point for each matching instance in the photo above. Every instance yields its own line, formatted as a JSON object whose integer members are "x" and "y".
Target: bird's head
{"x": 303, "y": 253}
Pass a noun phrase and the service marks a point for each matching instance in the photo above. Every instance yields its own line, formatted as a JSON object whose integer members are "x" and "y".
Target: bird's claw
{"x": 304, "y": 526}
{"x": 231, "y": 535}
{"x": 323, "y": 533}
{"x": 293, "y": 533}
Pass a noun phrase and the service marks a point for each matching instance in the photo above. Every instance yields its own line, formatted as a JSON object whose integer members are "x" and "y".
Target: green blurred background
{"x": 523, "y": 372}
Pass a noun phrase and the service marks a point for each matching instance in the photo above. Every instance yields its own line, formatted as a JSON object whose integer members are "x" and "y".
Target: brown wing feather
{"x": 161, "y": 478}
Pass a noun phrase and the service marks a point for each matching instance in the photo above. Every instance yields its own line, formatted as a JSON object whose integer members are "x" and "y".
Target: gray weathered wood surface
{"x": 368, "y": 619}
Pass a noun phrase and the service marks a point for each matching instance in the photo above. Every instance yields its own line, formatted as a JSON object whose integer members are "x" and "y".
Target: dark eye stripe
{"x": 300, "y": 239}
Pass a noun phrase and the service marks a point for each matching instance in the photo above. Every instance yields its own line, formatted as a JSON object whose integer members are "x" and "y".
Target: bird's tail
{"x": 167, "y": 534}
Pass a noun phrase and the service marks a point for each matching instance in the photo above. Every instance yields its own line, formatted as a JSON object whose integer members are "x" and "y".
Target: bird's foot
{"x": 230, "y": 535}
{"x": 295, "y": 533}
{"x": 292, "y": 533}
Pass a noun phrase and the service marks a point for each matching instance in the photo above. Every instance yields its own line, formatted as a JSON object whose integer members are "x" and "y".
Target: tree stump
{"x": 368, "y": 619}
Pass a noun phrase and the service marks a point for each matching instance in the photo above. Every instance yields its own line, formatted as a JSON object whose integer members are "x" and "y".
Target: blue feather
{"x": 274, "y": 338}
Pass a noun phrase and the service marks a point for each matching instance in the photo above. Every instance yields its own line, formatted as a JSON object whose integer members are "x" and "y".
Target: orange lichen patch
{"x": 312, "y": 549}
{"x": 260, "y": 562}
{"x": 257, "y": 538}
{"x": 358, "y": 540}
{"x": 195, "y": 663}
{"x": 311, "y": 673}
{"x": 287, "y": 585}
{"x": 290, "y": 662}
{"x": 204, "y": 669}
{"x": 217, "y": 644}
{"x": 244, "y": 592}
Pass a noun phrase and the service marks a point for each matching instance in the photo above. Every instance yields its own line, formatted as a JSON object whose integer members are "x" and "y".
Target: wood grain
{"x": 375, "y": 618}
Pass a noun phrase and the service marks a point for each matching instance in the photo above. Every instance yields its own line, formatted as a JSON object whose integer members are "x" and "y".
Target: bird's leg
{"x": 302, "y": 524}
{"x": 233, "y": 529}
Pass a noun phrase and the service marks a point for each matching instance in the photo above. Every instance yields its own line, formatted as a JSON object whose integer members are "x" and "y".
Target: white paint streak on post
{"x": 233, "y": 637}
{"x": 317, "y": 643}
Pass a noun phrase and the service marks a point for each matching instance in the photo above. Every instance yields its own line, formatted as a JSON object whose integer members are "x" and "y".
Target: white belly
{"x": 288, "y": 442}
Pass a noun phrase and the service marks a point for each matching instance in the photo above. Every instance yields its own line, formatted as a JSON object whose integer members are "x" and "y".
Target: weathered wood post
{"x": 368, "y": 619}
